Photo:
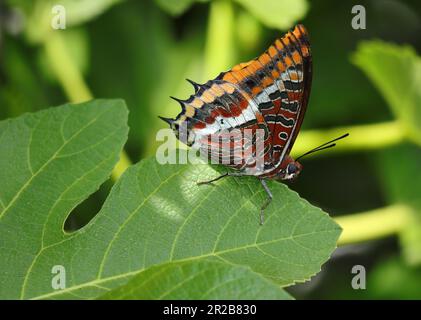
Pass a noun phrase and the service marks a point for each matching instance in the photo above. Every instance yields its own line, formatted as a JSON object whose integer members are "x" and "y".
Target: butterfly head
{"x": 290, "y": 169}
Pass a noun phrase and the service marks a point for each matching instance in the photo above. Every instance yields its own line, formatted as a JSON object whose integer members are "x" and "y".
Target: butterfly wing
{"x": 267, "y": 94}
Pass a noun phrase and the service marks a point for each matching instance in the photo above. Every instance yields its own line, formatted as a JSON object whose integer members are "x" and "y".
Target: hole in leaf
{"x": 85, "y": 211}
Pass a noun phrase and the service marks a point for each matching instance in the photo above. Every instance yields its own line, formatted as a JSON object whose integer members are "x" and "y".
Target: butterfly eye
{"x": 292, "y": 168}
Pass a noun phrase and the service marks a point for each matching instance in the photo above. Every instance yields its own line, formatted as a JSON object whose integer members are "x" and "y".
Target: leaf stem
{"x": 374, "y": 224}
{"x": 219, "y": 48}
{"x": 73, "y": 84}
{"x": 65, "y": 69}
{"x": 361, "y": 137}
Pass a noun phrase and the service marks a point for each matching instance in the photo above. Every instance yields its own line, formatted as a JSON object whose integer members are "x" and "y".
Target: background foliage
{"x": 366, "y": 82}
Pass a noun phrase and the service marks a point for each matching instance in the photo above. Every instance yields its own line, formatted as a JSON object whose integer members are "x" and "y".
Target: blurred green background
{"x": 142, "y": 51}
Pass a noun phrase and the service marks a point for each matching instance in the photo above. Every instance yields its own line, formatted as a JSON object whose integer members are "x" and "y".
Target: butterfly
{"x": 267, "y": 95}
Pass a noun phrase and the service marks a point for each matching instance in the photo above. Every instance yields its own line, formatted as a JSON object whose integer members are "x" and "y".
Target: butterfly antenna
{"x": 323, "y": 146}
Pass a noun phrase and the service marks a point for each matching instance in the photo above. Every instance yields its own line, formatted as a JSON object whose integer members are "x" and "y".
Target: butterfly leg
{"x": 267, "y": 202}
{"x": 227, "y": 174}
